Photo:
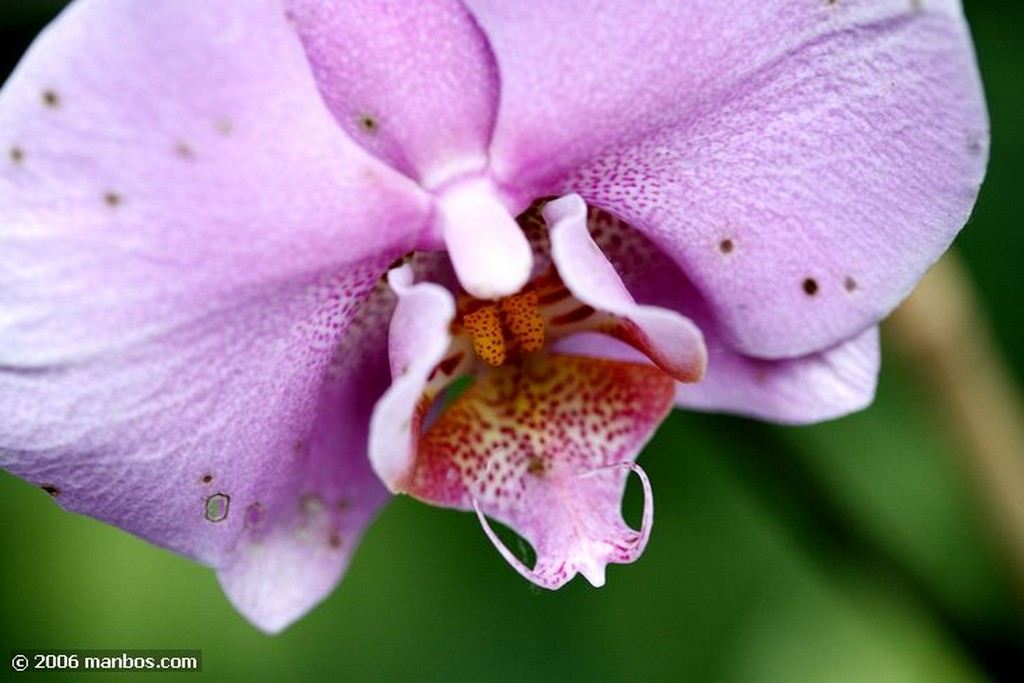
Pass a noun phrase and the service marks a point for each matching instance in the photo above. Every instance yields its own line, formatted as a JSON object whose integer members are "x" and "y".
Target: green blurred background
{"x": 849, "y": 551}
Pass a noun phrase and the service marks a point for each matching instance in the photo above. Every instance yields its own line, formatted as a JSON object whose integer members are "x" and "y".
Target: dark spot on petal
{"x": 810, "y": 286}
{"x": 224, "y": 127}
{"x": 367, "y": 123}
{"x": 184, "y": 150}
{"x": 51, "y": 99}
{"x": 536, "y": 467}
{"x": 17, "y": 154}
{"x": 51, "y": 489}
{"x": 298, "y": 445}
{"x": 254, "y": 515}
{"x": 342, "y": 504}
{"x": 112, "y": 199}
{"x": 334, "y": 539}
{"x": 849, "y": 284}
{"x": 975, "y": 144}
{"x": 726, "y": 246}
{"x": 207, "y": 478}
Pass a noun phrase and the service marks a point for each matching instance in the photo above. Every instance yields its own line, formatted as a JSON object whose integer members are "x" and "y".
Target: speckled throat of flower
{"x": 542, "y": 439}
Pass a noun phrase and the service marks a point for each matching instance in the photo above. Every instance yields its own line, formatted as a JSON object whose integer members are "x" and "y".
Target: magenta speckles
{"x": 544, "y": 417}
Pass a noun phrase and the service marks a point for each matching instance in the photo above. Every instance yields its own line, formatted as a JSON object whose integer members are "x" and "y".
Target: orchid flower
{"x": 248, "y": 251}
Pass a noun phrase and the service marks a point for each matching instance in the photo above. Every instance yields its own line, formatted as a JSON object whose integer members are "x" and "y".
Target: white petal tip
{"x": 502, "y": 278}
{"x": 488, "y": 249}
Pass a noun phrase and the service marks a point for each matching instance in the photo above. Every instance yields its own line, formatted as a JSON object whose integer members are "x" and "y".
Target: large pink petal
{"x": 296, "y": 544}
{"x": 803, "y": 162}
{"x": 817, "y": 386}
{"x": 417, "y": 85}
{"x": 186, "y": 236}
{"x": 415, "y": 82}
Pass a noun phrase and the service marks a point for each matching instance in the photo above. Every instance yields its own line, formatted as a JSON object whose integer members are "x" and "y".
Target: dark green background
{"x": 850, "y": 551}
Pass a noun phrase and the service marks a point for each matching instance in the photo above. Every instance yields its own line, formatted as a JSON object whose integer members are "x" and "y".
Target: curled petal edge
{"x": 592, "y": 569}
{"x": 672, "y": 342}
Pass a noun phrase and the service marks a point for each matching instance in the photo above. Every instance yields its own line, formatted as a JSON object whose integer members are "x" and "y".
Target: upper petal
{"x": 205, "y": 151}
{"x": 186, "y": 237}
{"x": 803, "y": 162}
{"x": 415, "y": 82}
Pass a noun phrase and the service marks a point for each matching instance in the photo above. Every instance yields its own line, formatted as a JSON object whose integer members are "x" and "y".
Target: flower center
{"x": 526, "y": 321}
{"x": 513, "y": 324}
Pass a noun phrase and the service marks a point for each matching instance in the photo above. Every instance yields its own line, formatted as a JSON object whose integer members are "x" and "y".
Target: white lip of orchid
{"x": 490, "y": 253}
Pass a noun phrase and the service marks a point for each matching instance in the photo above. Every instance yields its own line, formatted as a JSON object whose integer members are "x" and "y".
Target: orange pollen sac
{"x": 512, "y": 324}
{"x": 484, "y": 326}
{"x": 524, "y": 320}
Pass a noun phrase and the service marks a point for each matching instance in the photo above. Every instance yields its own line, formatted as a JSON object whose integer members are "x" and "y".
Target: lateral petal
{"x": 817, "y": 386}
{"x": 295, "y": 547}
{"x": 186, "y": 238}
{"x": 834, "y": 149}
{"x": 672, "y": 342}
{"x": 418, "y": 339}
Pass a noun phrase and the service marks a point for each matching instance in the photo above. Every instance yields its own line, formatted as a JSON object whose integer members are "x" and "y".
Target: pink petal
{"x": 545, "y": 447}
{"x": 413, "y": 82}
{"x": 809, "y": 388}
{"x": 674, "y": 343}
{"x": 818, "y": 386}
{"x": 186, "y": 438}
{"x": 416, "y": 84}
{"x": 186, "y": 237}
{"x": 419, "y": 338}
{"x": 802, "y": 162}
{"x": 489, "y": 252}
{"x": 295, "y": 547}
{"x": 589, "y": 553}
